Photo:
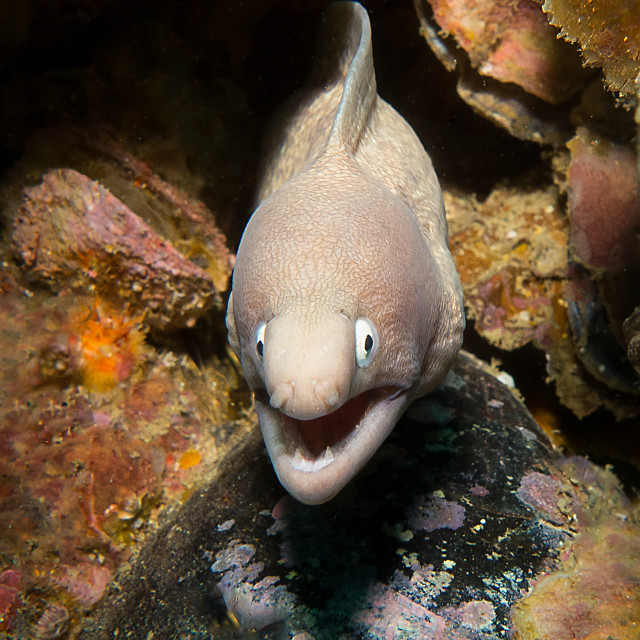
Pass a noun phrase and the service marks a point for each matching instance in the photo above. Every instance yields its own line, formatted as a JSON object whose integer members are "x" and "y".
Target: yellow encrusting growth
{"x": 190, "y": 458}
{"x": 110, "y": 345}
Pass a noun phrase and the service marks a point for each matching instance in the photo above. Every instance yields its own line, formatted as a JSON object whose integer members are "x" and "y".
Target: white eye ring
{"x": 366, "y": 342}
{"x": 260, "y": 339}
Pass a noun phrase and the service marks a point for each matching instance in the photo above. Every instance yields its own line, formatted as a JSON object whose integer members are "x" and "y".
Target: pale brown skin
{"x": 346, "y": 304}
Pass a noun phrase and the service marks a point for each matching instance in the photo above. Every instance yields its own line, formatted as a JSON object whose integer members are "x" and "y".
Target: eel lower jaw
{"x": 315, "y": 459}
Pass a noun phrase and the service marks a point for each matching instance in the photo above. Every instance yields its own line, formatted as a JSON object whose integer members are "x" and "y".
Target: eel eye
{"x": 260, "y": 338}
{"x": 366, "y": 342}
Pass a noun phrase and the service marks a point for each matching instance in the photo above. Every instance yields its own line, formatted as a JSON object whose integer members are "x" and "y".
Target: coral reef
{"x": 100, "y": 430}
{"x": 631, "y": 332}
{"x": 115, "y": 447}
{"x": 511, "y": 254}
{"x": 601, "y": 182}
{"x": 511, "y": 42}
{"x": 552, "y": 266}
{"x": 575, "y": 314}
{"x": 91, "y": 452}
{"x": 603, "y": 202}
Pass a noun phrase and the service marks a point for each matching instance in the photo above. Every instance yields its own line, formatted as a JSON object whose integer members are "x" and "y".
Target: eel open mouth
{"x": 316, "y": 458}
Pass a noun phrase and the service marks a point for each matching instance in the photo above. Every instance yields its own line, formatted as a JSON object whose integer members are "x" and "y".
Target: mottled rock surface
{"x": 71, "y": 231}
{"x": 512, "y": 42}
{"x": 607, "y": 32}
{"x": 460, "y": 513}
{"x": 99, "y": 432}
{"x": 512, "y": 68}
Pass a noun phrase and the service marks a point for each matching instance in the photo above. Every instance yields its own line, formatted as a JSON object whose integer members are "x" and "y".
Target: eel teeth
{"x": 302, "y": 463}
{"x": 327, "y": 456}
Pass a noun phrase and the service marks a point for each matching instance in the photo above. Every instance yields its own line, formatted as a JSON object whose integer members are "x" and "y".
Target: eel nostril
{"x": 326, "y": 393}
{"x": 281, "y": 395}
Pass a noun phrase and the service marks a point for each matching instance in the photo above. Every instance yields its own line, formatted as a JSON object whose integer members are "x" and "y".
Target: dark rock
{"x": 596, "y": 343}
{"x": 631, "y": 331}
{"x": 462, "y": 509}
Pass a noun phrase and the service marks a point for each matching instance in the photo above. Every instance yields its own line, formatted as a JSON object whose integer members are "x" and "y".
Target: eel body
{"x": 345, "y": 303}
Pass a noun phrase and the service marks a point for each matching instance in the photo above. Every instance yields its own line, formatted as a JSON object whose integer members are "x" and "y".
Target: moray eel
{"x": 345, "y": 302}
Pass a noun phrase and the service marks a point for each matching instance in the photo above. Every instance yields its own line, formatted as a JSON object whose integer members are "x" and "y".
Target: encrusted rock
{"x": 458, "y": 516}
{"x": 593, "y": 592}
{"x": 631, "y": 332}
{"x": 513, "y": 69}
{"x": 604, "y": 210}
{"x": 604, "y": 203}
{"x": 512, "y": 42}
{"x": 98, "y": 431}
{"x": 608, "y": 32}
{"x": 72, "y": 232}
{"x": 511, "y": 254}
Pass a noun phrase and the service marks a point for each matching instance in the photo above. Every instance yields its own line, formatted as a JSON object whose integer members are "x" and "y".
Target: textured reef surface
{"x": 608, "y": 33}
{"x": 553, "y": 264}
{"x": 463, "y": 510}
{"x": 100, "y": 428}
{"x": 99, "y": 433}
{"x": 129, "y": 457}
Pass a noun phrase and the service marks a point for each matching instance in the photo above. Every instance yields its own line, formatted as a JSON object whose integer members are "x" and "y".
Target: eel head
{"x": 339, "y": 321}
{"x": 322, "y": 414}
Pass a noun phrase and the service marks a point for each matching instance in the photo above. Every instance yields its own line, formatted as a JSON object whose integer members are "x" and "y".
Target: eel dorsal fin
{"x": 347, "y": 30}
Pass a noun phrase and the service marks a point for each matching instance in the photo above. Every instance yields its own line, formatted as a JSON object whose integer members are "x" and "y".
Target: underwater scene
{"x": 319, "y": 320}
